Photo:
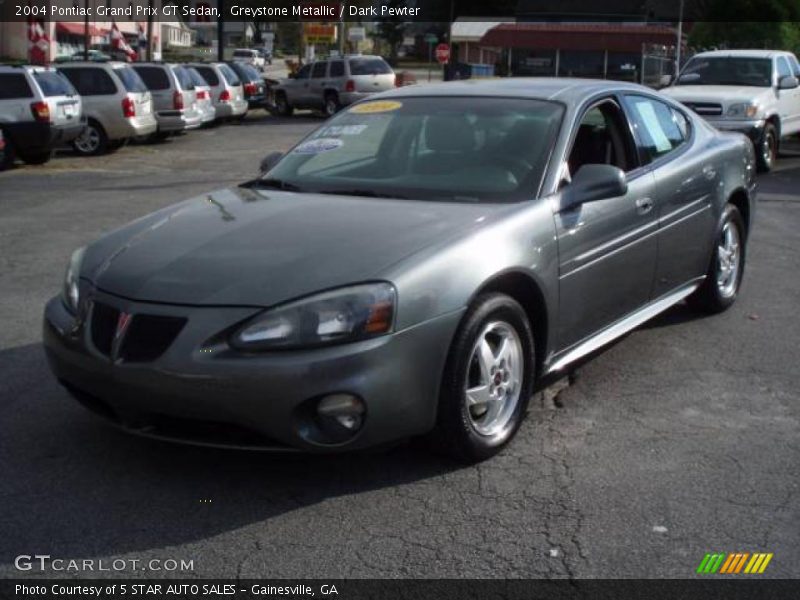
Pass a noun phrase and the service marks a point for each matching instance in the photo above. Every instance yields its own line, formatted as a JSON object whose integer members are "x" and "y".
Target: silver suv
{"x": 174, "y": 96}
{"x": 39, "y": 109}
{"x": 117, "y": 104}
{"x": 330, "y": 84}
{"x": 227, "y": 92}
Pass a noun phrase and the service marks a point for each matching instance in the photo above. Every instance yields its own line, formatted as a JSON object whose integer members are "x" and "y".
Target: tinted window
{"x": 197, "y": 79}
{"x": 318, "y": 72}
{"x": 14, "y": 85}
{"x": 131, "y": 80}
{"x": 184, "y": 78}
{"x": 783, "y": 68}
{"x": 243, "y": 53}
{"x": 154, "y": 78}
{"x": 727, "y": 70}
{"x": 246, "y": 71}
{"x": 304, "y": 72}
{"x": 229, "y": 75}
{"x": 656, "y": 125}
{"x": 795, "y": 66}
{"x": 209, "y": 75}
{"x": 337, "y": 68}
{"x": 53, "y": 84}
{"x": 368, "y": 66}
{"x": 467, "y": 149}
{"x": 91, "y": 81}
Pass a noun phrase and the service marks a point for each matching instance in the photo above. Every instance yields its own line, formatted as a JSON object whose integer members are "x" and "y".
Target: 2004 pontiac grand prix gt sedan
{"x": 412, "y": 267}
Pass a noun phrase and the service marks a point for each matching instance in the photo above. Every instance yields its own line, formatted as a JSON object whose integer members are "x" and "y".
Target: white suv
{"x": 756, "y": 92}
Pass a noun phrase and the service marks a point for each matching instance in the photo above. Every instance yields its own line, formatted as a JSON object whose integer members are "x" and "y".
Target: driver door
{"x": 607, "y": 248}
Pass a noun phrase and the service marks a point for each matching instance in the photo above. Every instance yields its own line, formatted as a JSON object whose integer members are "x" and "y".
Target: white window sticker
{"x": 345, "y": 130}
{"x": 318, "y": 145}
{"x": 648, "y": 116}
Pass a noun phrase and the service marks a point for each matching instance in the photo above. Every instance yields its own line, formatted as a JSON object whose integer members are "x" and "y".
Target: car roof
{"x": 744, "y": 53}
{"x": 567, "y": 90}
{"x": 114, "y": 64}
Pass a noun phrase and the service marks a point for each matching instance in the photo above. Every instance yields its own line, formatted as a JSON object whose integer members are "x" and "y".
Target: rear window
{"x": 209, "y": 75}
{"x": 154, "y": 77}
{"x": 14, "y": 85}
{"x": 369, "y": 66}
{"x": 229, "y": 75}
{"x": 90, "y": 81}
{"x": 197, "y": 79}
{"x": 53, "y": 84}
{"x": 131, "y": 80}
{"x": 184, "y": 78}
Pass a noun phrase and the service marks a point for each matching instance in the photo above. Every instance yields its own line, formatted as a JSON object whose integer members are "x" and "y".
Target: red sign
{"x": 443, "y": 53}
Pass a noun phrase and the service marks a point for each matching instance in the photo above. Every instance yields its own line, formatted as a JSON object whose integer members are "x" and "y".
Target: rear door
{"x": 61, "y": 97}
{"x": 686, "y": 181}
{"x": 296, "y": 89}
{"x": 607, "y": 248}
{"x": 318, "y": 83}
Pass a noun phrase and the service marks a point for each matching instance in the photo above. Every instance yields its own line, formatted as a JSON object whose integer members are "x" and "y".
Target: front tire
{"x": 767, "y": 149}
{"x": 724, "y": 277}
{"x": 488, "y": 380}
{"x": 282, "y": 105}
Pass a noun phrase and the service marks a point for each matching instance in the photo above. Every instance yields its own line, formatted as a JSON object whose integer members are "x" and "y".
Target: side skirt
{"x": 621, "y": 327}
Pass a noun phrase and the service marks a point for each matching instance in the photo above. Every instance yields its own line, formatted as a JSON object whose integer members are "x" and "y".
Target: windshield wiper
{"x": 276, "y": 183}
{"x": 362, "y": 193}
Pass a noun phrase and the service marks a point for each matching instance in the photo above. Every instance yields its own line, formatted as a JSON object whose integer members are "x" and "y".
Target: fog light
{"x": 341, "y": 415}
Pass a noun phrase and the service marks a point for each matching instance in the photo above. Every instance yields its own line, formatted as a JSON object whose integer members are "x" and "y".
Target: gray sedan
{"x": 414, "y": 266}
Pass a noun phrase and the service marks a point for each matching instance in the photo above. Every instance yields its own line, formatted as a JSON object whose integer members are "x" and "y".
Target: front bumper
{"x": 754, "y": 129}
{"x": 199, "y": 381}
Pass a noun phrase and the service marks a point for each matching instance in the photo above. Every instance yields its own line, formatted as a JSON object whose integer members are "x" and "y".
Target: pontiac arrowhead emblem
{"x": 123, "y": 322}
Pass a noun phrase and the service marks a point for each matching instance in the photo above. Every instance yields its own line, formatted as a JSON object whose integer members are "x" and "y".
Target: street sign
{"x": 431, "y": 38}
{"x": 356, "y": 34}
{"x": 443, "y": 53}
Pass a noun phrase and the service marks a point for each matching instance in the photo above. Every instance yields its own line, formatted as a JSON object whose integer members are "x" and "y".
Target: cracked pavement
{"x": 680, "y": 439}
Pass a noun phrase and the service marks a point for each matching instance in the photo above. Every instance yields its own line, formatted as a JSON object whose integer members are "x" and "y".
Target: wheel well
{"x": 740, "y": 200}
{"x": 525, "y": 291}
{"x": 776, "y": 121}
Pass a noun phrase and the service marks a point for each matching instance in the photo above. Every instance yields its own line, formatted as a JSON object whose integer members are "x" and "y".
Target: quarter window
{"x": 304, "y": 72}
{"x": 659, "y": 128}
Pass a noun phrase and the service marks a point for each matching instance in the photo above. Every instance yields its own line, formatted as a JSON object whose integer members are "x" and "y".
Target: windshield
{"x": 466, "y": 149}
{"x": 727, "y": 70}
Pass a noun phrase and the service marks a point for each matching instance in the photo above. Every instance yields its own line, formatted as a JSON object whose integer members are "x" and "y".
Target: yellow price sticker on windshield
{"x": 379, "y": 106}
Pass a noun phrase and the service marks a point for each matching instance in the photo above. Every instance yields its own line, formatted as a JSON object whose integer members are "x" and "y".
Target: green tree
{"x": 748, "y": 24}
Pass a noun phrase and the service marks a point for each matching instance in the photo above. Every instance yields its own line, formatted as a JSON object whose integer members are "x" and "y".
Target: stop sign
{"x": 443, "y": 53}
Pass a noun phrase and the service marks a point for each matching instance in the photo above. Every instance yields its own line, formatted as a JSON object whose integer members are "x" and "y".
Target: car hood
{"x": 720, "y": 94}
{"x": 244, "y": 247}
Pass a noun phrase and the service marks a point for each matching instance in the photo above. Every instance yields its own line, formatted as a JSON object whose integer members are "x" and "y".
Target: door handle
{"x": 644, "y": 205}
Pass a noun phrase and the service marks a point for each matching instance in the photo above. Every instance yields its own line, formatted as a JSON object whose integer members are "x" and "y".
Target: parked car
{"x": 203, "y": 96}
{"x": 250, "y": 56}
{"x": 328, "y": 85}
{"x": 411, "y": 267}
{"x": 756, "y": 92}
{"x": 253, "y": 85}
{"x": 227, "y": 92}
{"x": 39, "y": 110}
{"x": 116, "y": 102}
{"x": 174, "y": 97}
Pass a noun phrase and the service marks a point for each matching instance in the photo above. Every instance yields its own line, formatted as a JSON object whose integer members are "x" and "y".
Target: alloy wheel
{"x": 494, "y": 378}
{"x": 728, "y": 259}
{"x": 89, "y": 141}
{"x": 769, "y": 149}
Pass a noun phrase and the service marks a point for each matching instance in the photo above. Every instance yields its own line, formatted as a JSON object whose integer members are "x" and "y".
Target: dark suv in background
{"x": 255, "y": 89}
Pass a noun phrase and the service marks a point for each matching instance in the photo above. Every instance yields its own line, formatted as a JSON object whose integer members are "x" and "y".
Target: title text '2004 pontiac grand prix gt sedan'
{"x": 412, "y": 266}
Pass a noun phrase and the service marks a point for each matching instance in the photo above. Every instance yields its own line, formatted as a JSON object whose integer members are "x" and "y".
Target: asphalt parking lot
{"x": 678, "y": 440}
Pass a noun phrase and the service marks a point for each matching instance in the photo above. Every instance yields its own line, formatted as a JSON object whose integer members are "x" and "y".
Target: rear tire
{"x": 93, "y": 141}
{"x": 282, "y": 105}
{"x": 767, "y": 149}
{"x": 36, "y": 157}
{"x": 331, "y": 105}
{"x": 724, "y": 277}
{"x": 488, "y": 380}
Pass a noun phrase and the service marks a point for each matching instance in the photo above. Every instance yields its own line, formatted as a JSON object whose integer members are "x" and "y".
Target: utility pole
{"x": 86, "y": 31}
{"x": 341, "y": 31}
{"x": 680, "y": 41}
{"x": 149, "y": 51}
{"x": 221, "y": 31}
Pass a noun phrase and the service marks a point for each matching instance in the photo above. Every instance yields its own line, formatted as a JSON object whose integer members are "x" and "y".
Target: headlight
{"x": 71, "y": 291}
{"x": 343, "y": 315}
{"x": 743, "y": 111}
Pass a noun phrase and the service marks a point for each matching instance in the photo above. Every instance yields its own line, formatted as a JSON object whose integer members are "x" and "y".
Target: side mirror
{"x": 665, "y": 81}
{"x": 594, "y": 182}
{"x": 269, "y": 161}
{"x": 788, "y": 82}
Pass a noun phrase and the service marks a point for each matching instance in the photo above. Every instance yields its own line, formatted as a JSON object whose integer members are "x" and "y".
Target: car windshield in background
{"x": 53, "y": 84}
{"x": 131, "y": 80}
{"x": 230, "y": 75}
{"x": 727, "y": 70}
{"x": 447, "y": 149}
{"x": 369, "y": 66}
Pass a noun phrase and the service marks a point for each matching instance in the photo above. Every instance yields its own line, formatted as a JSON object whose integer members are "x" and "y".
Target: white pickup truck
{"x": 756, "y": 92}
